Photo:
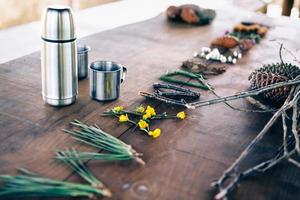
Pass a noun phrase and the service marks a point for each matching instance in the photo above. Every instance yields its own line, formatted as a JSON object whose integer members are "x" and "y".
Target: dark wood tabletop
{"x": 189, "y": 154}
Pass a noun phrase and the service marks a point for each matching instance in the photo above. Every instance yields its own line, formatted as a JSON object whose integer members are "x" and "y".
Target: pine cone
{"x": 262, "y": 79}
{"x": 284, "y": 69}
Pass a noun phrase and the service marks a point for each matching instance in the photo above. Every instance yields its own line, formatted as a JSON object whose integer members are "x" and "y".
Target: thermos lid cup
{"x": 58, "y": 24}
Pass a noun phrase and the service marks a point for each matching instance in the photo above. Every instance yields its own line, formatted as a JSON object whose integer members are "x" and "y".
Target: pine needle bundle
{"x": 115, "y": 149}
{"x": 80, "y": 168}
{"x": 33, "y": 185}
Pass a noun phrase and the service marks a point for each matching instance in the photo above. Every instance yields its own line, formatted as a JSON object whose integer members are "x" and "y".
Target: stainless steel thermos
{"x": 59, "y": 57}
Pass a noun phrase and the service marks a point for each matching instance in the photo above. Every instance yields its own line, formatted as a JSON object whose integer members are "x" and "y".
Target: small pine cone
{"x": 262, "y": 79}
{"x": 225, "y": 41}
{"x": 284, "y": 69}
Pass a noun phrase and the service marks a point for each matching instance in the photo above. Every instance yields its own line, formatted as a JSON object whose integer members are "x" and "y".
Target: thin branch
{"x": 293, "y": 161}
{"x": 242, "y": 94}
{"x": 284, "y": 126}
{"x": 280, "y": 53}
{"x": 233, "y": 168}
{"x": 260, "y": 168}
{"x": 242, "y": 109}
{"x": 294, "y": 128}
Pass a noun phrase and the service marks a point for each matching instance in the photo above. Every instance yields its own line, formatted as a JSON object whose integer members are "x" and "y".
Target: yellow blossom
{"x": 150, "y": 111}
{"x": 123, "y": 118}
{"x": 155, "y": 133}
{"x": 146, "y": 116}
{"x": 142, "y": 124}
{"x": 117, "y": 109}
{"x": 140, "y": 109}
{"x": 181, "y": 115}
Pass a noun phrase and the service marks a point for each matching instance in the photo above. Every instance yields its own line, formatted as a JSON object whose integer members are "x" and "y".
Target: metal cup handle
{"x": 124, "y": 72}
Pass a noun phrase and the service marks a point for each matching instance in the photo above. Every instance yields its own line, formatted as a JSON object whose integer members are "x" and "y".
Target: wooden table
{"x": 190, "y": 154}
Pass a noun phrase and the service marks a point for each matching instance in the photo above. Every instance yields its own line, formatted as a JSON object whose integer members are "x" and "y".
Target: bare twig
{"x": 242, "y": 109}
{"x": 280, "y": 53}
{"x": 232, "y": 170}
{"x": 284, "y": 126}
{"x": 294, "y": 128}
{"x": 242, "y": 94}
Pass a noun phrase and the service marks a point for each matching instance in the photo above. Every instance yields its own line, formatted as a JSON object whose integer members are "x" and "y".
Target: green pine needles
{"x": 170, "y": 77}
{"x": 30, "y": 184}
{"x": 115, "y": 149}
{"x": 79, "y": 167}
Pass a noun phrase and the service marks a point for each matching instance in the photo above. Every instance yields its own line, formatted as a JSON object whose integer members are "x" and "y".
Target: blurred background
{"x": 15, "y": 12}
{"x": 20, "y": 26}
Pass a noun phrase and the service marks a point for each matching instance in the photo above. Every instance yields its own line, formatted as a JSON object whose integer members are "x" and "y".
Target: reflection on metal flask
{"x": 59, "y": 57}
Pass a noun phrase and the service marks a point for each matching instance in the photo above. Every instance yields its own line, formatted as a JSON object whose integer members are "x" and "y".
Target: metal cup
{"x": 105, "y": 80}
{"x": 82, "y": 61}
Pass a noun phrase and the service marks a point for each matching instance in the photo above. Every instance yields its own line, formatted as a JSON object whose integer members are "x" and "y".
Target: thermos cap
{"x": 58, "y": 24}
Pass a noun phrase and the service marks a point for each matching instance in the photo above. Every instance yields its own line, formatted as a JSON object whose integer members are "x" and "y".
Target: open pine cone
{"x": 274, "y": 73}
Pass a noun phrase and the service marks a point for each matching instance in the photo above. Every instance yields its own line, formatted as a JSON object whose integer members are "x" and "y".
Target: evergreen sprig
{"x": 79, "y": 167}
{"x": 114, "y": 148}
{"x": 33, "y": 185}
{"x": 170, "y": 77}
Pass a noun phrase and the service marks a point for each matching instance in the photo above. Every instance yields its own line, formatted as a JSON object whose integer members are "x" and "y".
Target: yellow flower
{"x": 117, "y": 109}
{"x": 123, "y": 118}
{"x": 181, "y": 115}
{"x": 140, "y": 109}
{"x": 155, "y": 133}
{"x": 146, "y": 116}
{"x": 150, "y": 111}
{"x": 142, "y": 124}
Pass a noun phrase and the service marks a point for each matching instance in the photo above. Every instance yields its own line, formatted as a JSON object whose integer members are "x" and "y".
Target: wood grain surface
{"x": 189, "y": 154}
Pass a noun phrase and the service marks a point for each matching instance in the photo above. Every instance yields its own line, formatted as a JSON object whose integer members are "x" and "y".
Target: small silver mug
{"x": 82, "y": 61}
{"x": 105, "y": 80}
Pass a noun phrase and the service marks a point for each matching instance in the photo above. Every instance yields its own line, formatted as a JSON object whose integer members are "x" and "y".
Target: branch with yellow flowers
{"x": 143, "y": 117}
